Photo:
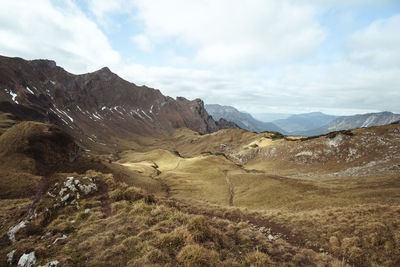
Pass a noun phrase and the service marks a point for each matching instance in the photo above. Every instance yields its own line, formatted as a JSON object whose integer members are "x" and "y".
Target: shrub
{"x": 277, "y": 135}
{"x": 156, "y": 256}
{"x": 174, "y": 241}
{"x": 199, "y": 229}
{"x": 195, "y": 255}
{"x": 131, "y": 194}
{"x": 305, "y": 257}
{"x": 257, "y": 259}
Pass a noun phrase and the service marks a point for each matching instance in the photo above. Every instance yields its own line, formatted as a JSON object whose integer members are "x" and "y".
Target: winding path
{"x": 230, "y": 187}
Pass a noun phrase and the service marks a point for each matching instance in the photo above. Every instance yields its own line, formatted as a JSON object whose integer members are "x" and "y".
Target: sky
{"x": 261, "y": 56}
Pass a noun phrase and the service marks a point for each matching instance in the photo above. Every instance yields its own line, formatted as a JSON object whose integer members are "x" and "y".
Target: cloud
{"x": 233, "y": 33}
{"x": 142, "y": 42}
{"x": 378, "y": 45}
{"x": 367, "y": 76}
{"x": 101, "y": 8}
{"x": 40, "y": 29}
{"x": 348, "y": 84}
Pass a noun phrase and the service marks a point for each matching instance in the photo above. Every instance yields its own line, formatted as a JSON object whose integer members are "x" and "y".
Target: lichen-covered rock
{"x": 10, "y": 256}
{"x": 71, "y": 190}
{"x": 13, "y": 230}
{"x": 27, "y": 260}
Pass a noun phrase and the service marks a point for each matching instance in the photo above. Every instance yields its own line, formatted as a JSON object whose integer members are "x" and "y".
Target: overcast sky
{"x": 338, "y": 57}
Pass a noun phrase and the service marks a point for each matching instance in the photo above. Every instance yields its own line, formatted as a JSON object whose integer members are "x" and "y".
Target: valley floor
{"x": 231, "y": 198}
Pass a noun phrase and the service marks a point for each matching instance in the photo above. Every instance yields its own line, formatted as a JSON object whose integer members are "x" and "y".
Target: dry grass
{"x": 6, "y": 122}
{"x": 315, "y": 220}
{"x": 327, "y": 213}
{"x": 365, "y": 235}
{"x": 139, "y": 232}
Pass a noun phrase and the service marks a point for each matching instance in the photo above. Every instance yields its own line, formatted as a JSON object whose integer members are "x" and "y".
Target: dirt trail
{"x": 230, "y": 187}
{"x": 262, "y": 224}
{"x": 104, "y": 198}
{"x": 156, "y": 177}
{"x": 42, "y": 188}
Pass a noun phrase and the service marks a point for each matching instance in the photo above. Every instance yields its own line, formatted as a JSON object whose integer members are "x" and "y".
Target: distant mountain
{"x": 362, "y": 120}
{"x": 270, "y": 117}
{"x": 317, "y": 123}
{"x": 97, "y": 105}
{"x": 355, "y": 121}
{"x": 304, "y": 122}
{"x": 243, "y": 120}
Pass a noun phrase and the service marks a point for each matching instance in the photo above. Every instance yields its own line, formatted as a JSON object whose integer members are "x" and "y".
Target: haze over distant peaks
{"x": 242, "y": 119}
{"x": 356, "y": 121}
{"x": 304, "y": 122}
{"x": 317, "y": 123}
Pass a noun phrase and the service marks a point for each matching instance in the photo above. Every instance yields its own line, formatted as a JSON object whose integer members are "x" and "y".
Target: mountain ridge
{"x": 305, "y": 121}
{"x": 84, "y": 105}
{"x": 242, "y": 119}
{"x": 354, "y": 121}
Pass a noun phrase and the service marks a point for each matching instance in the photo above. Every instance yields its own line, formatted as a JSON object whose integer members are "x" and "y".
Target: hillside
{"x": 95, "y": 107}
{"x": 65, "y": 207}
{"x": 243, "y": 120}
{"x": 323, "y": 189}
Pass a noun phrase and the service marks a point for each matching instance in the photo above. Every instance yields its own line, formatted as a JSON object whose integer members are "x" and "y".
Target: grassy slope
{"x": 351, "y": 217}
{"x": 124, "y": 226}
{"x": 296, "y": 191}
{"x": 6, "y": 122}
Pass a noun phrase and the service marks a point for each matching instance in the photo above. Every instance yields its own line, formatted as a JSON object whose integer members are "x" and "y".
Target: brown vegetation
{"x": 167, "y": 203}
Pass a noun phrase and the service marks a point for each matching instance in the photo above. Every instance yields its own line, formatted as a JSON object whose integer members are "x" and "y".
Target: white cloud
{"x": 235, "y": 33}
{"x": 38, "y": 29}
{"x": 142, "y": 42}
{"x": 366, "y": 77}
{"x": 345, "y": 85}
{"x": 378, "y": 45}
{"x": 101, "y": 8}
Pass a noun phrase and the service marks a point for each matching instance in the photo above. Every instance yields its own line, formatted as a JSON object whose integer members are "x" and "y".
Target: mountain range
{"x": 242, "y": 119}
{"x": 318, "y": 123}
{"x": 269, "y": 117}
{"x": 41, "y": 90}
{"x": 306, "y": 124}
{"x": 95, "y": 106}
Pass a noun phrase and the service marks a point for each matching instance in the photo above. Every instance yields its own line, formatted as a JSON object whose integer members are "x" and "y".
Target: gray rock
{"x": 27, "y": 260}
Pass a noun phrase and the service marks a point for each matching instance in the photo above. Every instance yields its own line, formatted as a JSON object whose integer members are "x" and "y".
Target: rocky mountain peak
{"x": 104, "y": 74}
{"x": 46, "y": 63}
{"x": 97, "y": 104}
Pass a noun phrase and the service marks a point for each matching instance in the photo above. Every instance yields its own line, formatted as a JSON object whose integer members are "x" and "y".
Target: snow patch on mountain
{"x": 13, "y": 95}
{"x": 29, "y": 90}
